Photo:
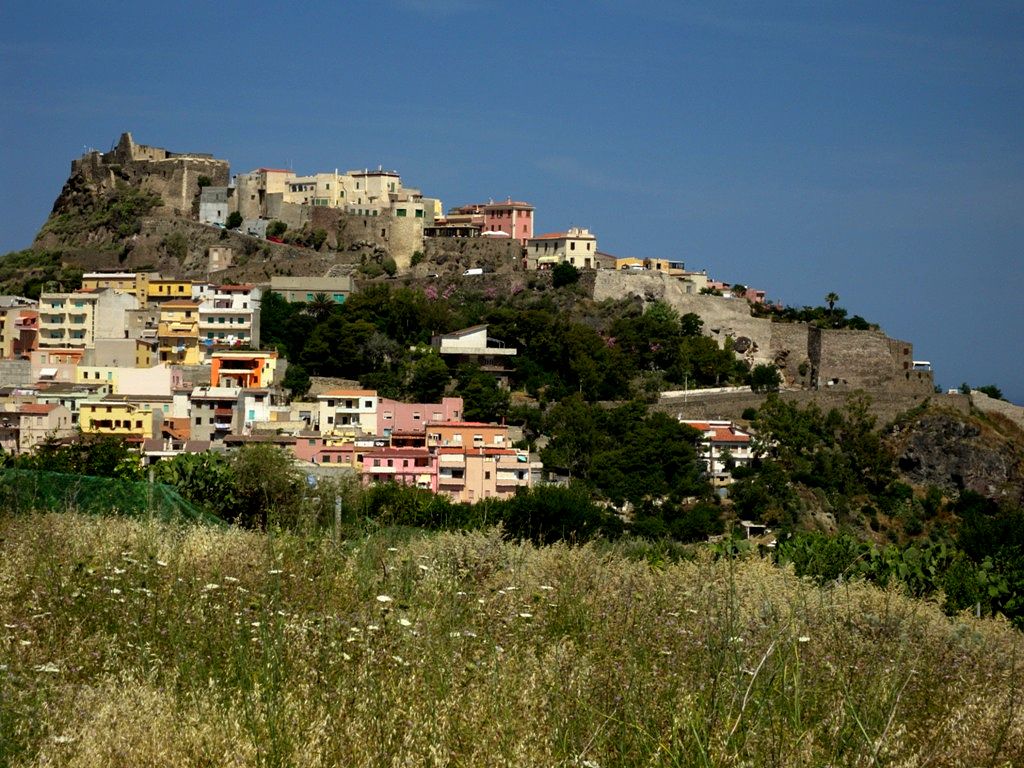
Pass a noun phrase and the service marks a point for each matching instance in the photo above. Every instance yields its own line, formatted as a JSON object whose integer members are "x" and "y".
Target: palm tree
{"x": 831, "y": 298}
{"x": 321, "y": 306}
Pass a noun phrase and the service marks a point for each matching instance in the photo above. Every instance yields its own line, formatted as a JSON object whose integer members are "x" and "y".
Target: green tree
{"x": 483, "y": 399}
{"x": 430, "y": 378}
{"x": 992, "y": 391}
{"x": 276, "y": 228}
{"x": 765, "y": 378}
{"x": 234, "y": 220}
{"x": 321, "y": 306}
{"x": 204, "y": 181}
{"x": 296, "y": 380}
{"x": 831, "y": 298}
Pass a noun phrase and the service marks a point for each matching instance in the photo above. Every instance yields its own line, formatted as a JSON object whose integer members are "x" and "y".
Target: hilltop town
{"x": 150, "y": 328}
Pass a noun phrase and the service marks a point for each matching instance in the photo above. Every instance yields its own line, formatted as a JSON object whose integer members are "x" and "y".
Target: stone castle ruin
{"x": 805, "y": 355}
{"x": 174, "y": 176}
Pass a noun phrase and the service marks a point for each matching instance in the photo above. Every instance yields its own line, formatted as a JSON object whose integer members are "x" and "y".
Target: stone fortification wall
{"x": 723, "y": 317}
{"x": 791, "y": 352}
{"x": 885, "y": 405}
{"x": 454, "y": 255}
{"x": 174, "y": 176}
{"x": 867, "y": 359}
{"x": 295, "y": 215}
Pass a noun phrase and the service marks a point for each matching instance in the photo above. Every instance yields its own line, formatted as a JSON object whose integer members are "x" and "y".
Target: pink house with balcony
{"x": 393, "y": 416}
{"x": 406, "y": 466}
{"x": 512, "y": 217}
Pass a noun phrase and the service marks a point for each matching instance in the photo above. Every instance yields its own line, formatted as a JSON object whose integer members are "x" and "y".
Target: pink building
{"x": 394, "y": 416}
{"x": 406, "y": 466}
{"x": 513, "y": 218}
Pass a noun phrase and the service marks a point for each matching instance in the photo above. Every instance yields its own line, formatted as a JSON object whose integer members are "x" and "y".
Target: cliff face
{"x": 957, "y": 452}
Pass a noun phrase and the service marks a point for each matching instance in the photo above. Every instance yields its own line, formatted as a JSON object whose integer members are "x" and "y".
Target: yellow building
{"x": 133, "y": 283}
{"x": 163, "y": 289}
{"x": 178, "y": 332}
{"x": 117, "y": 418}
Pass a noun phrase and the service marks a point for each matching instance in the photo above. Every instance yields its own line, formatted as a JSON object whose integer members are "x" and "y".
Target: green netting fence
{"x": 23, "y": 490}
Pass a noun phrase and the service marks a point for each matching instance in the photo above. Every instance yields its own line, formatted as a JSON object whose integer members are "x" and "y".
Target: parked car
{"x": 473, "y": 271}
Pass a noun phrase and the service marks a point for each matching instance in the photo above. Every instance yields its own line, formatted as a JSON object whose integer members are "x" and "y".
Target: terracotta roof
{"x": 37, "y": 409}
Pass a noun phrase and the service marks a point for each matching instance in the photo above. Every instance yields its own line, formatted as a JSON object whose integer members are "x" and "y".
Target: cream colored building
{"x": 351, "y": 411}
{"x": 576, "y": 246}
{"x": 78, "y": 319}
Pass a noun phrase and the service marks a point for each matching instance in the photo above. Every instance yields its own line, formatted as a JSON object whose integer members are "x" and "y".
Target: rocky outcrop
{"x": 955, "y": 452}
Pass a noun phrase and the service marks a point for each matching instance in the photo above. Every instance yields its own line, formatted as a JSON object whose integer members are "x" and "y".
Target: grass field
{"x": 140, "y": 644}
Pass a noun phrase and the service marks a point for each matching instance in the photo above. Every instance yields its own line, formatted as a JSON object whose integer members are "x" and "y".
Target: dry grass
{"x": 126, "y": 644}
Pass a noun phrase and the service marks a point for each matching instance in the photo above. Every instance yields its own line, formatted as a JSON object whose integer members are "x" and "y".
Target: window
{"x": 400, "y": 213}
{"x": 419, "y": 213}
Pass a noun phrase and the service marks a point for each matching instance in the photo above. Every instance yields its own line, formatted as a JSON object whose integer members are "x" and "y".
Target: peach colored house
{"x": 472, "y": 474}
{"x": 27, "y": 425}
{"x": 467, "y": 434}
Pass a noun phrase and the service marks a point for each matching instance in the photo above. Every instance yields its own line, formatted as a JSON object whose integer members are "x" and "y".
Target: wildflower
{"x": 803, "y": 639}
{"x": 161, "y": 563}
{"x": 372, "y": 627}
{"x": 384, "y": 599}
{"x": 49, "y": 668}
{"x": 423, "y": 567}
{"x": 118, "y": 571}
{"x": 25, "y": 642}
{"x": 456, "y": 633}
{"x": 63, "y": 739}
{"x": 392, "y": 549}
{"x": 405, "y": 622}
{"x": 115, "y": 591}
{"x": 254, "y": 624}
{"x": 275, "y": 571}
{"x": 525, "y": 615}
{"x": 345, "y": 656}
{"x": 211, "y": 586}
{"x": 230, "y": 579}
{"x": 546, "y": 587}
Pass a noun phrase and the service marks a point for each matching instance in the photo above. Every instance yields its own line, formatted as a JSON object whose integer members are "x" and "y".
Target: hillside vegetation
{"x": 128, "y": 643}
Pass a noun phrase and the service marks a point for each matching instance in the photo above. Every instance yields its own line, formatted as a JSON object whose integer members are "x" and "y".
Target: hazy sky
{"x": 874, "y": 149}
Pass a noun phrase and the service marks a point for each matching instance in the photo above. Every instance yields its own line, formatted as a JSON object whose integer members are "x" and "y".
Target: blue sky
{"x": 874, "y": 149}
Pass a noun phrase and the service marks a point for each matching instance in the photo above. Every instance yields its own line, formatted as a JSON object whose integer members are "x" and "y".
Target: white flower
{"x": 384, "y": 598}
{"x": 546, "y": 587}
{"x": 115, "y": 591}
{"x": 254, "y": 624}
{"x": 372, "y": 627}
{"x": 231, "y": 579}
{"x": 161, "y": 563}
{"x": 118, "y": 571}
{"x": 525, "y": 615}
{"x": 49, "y": 667}
{"x": 275, "y": 571}
{"x": 63, "y": 739}
{"x": 405, "y": 622}
{"x": 24, "y": 642}
{"x": 456, "y": 633}
{"x": 423, "y": 567}
{"x": 345, "y": 656}
{"x": 803, "y": 639}
{"x": 392, "y": 549}
{"x": 211, "y": 586}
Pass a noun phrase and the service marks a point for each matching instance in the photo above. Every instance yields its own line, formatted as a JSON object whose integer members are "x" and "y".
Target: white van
{"x": 474, "y": 271}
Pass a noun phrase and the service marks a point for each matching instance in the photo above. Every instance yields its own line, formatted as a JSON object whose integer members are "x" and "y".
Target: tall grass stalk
{"x": 139, "y": 643}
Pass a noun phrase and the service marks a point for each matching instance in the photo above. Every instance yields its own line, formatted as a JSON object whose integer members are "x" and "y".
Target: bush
{"x": 564, "y": 273}
{"x": 176, "y": 245}
{"x": 276, "y": 228}
{"x": 234, "y": 220}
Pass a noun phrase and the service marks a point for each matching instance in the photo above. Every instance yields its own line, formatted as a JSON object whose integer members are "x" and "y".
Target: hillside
{"x": 137, "y": 644}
